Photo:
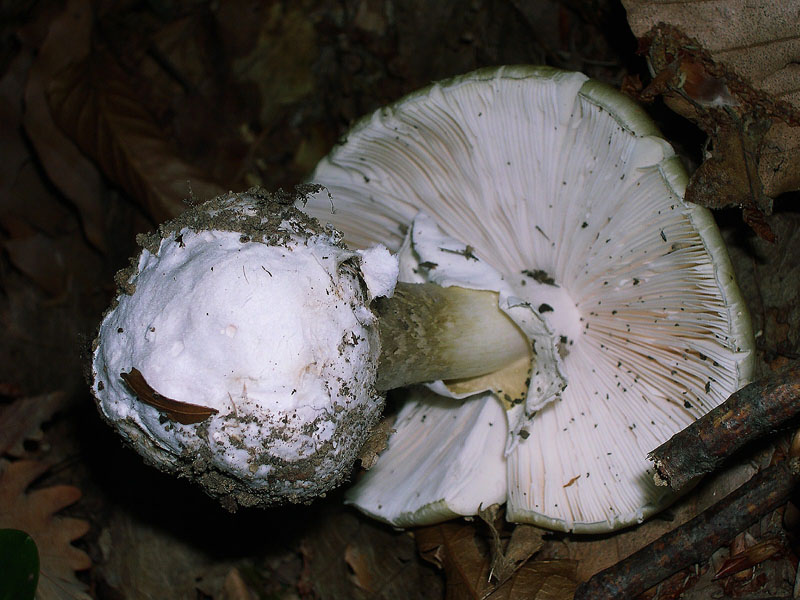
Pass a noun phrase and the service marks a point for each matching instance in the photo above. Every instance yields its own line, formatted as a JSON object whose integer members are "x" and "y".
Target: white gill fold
{"x": 445, "y": 459}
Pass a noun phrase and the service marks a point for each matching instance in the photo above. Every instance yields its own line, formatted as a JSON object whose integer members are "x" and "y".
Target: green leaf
{"x": 19, "y": 565}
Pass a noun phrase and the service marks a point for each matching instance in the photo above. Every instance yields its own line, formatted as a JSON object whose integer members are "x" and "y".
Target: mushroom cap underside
{"x": 554, "y": 180}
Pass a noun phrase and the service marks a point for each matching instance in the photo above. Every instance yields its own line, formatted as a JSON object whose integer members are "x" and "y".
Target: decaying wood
{"x": 696, "y": 540}
{"x": 747, "y": 414}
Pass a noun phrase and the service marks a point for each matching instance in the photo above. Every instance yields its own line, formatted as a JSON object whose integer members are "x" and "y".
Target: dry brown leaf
{"x": 143, "y": 558}
{"x": 508, "y": 556}
{"x": 769, "y": 278}
{"x": 540, "y": 580}
{"x": 750, "y": 557}
{"x": 452, "y": 547}
{"x": 39, "y": 258}
{"x": 22, "y": 420}
{"x": 457, "y": 548}
{"x": 351, "y": 557}
{"x": 730, "y": 66}
{"x": 93, "y": 102}
{"x": 78, "y": 179}
{"x": 34, "y": 512}
{"x": 358, "y": 562}
{"x": 236, "y": 588}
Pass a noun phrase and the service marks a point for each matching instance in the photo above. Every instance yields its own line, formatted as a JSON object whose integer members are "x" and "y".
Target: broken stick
{"x": 694, "y": 541}
{"x": 751, "y": 412}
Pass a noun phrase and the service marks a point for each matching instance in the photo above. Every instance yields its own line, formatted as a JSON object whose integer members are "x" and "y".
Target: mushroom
{"x": 559, "y": 194}
{"x": 243, "y": 350}
{"x": 566, "y": 310}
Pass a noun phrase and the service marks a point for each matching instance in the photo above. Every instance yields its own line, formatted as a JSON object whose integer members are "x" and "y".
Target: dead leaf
{"x": 358, "y": 563}
{"x": 286, "y": 43}
{"x": 22, "y": 420}
{"x": 750, "y": 557}
{"x": 540, "y": 580}
{"x": 39, "y": 258}
{"x": 508, "y": 556}
{"x": 93, "y": 102}
{"x": 142, "y": 558}
{"x": 731, "y": 67}
{"x": 352, "y": 557}
{"x": 66, "y": 166}
{"x": 34, "y": 512}
{"x": 457, "y": 548}
{"x": 235, "y": 587}
{"x": 452, "y": 547}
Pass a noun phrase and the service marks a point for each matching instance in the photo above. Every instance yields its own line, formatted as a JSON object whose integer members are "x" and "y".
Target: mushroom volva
{"x": 564, "y": 308}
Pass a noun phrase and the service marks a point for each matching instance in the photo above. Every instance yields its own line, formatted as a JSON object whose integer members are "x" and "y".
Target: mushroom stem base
{"x": 429, "y": 332}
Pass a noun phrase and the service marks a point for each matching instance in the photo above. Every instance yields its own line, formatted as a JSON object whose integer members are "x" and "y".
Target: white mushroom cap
{"x": 548, "y": 178}
{"x": 258, "y": 407}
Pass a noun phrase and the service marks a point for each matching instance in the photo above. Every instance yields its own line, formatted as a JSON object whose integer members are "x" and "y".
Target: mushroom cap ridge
{"x": 394, "y": 164}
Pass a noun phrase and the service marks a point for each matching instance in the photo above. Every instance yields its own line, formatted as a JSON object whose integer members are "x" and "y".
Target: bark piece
{"x": 751, "y": 412}
{"x": 696, "y": 540}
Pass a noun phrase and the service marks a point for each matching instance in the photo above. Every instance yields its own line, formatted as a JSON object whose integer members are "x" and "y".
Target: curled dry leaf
{"x": 34, "y": 512}
{"x": 22, "y": 420}
{"x": 750, "y": 557}
{"x": 181, "y": 412}
{"x": 731, "y": 66}
{"x": 93, "y": 102}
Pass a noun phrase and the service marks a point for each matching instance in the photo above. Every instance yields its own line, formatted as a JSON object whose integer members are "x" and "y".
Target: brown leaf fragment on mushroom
{"x": 736, "y": 78}
{"x": 182, "y": 412}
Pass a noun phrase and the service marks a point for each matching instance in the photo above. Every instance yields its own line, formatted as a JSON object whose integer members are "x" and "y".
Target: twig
{"x": 749, "y": 413}
{"x": 694, "y": 541}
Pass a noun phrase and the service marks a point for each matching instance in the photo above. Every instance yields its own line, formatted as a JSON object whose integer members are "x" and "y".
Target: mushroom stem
{"x": 430, "y": 332}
